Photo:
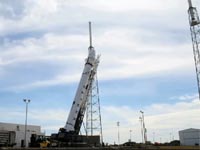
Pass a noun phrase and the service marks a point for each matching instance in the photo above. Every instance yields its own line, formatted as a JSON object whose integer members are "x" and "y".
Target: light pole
{"x": 26, "y": 101}
{"x": 199, "y": 140}
{"x": 130, "y": 134}
{"x": 118, "y": 132}
{"x": 144, "y": 128}
{"x": 140, "y": 119}
{"x": 170, "y": 137}
{"x": 153, "y": 137}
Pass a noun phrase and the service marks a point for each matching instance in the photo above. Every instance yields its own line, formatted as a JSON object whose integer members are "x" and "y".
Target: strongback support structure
{"x": 93, "y": 113}
{"x": 77, "y": 112}
{"x": 195, "y": 34}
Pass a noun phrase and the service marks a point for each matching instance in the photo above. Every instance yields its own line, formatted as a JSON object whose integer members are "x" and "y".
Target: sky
{"x": 146, "y": 64}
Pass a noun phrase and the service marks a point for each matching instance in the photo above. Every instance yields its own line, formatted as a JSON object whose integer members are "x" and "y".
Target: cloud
{"x": 48, "y": 59}
{"x": 59, "y": 15}
{"x": 127, "y": 5}
{"x": 187, "y": 97}
{"x": 50, "y": 50}
{"x": 55, "y": 39}
{"x": 44, "y": 83}
{"x": 12, "y": 9}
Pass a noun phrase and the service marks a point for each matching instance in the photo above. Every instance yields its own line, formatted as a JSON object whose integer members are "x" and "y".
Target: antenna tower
{"x": 195, "y": 34}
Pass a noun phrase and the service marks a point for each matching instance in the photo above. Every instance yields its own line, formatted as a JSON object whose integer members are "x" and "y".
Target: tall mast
{"x": 195, "y": 34}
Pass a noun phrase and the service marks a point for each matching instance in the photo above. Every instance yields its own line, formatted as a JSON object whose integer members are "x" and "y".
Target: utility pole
{"x": 118, "y": 133}
{"x": 27, "y": 101}
{"x": 130, "y": 135}
{"x": 195, "y": 34}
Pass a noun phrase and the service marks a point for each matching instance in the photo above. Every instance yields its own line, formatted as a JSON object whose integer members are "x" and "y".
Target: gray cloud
{"x": 12, "y": 9}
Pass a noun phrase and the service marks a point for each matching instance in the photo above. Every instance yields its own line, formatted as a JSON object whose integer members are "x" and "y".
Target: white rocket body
{"x": 82, "y": 91}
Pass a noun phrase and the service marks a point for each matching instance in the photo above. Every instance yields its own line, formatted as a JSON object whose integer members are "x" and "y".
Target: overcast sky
{"x": 146, "y": 64}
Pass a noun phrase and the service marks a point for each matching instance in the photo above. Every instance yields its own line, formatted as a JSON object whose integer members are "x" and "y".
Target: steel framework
{"x": 93, "y": 116}
{"x": 195, "y": 34}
